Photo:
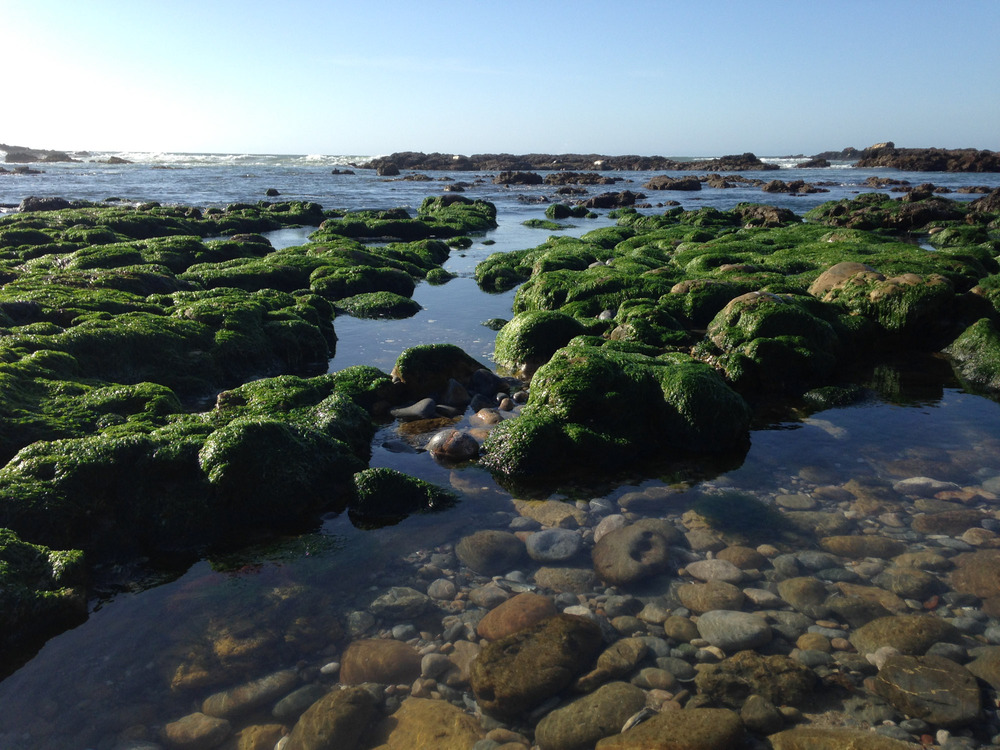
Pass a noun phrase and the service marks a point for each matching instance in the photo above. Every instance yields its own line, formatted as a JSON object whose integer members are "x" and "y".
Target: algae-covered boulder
{"x": 386, "y": 495}
{"x": 426, "y": 369}
{"x": 602, "y": 409}
{"x": 41, "y": 590}
{"x": 379, "y": 305}
{"x": 919, "y": 310}
{"x": 776, "y": 342}
{"x": 976, "y": 353}
{"x": 269, "y": 471}
{"x": 527, "y": 341}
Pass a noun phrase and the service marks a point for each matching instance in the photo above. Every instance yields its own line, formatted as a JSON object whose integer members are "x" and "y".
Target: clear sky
{"x": 692, "y": 78}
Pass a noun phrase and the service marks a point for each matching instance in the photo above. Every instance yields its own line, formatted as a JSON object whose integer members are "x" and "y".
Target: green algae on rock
{"x": 977, "y": 354}
{"x": 384, "y": 495}
{"x": 604, "y": 409}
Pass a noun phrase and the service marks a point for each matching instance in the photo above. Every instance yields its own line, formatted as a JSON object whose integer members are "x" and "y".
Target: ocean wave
{"x": 181, "y": 159}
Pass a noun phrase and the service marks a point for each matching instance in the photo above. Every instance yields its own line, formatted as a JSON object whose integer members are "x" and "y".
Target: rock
{"x": 517, "y": 613}
{"x": 715, "y": 570}
{"x": 923, "y": 486}
{"x": 615, "y": 662}
{"x": 422, "y": 723}
{"x": 580, "y": 724}
{"x": 335, "y": 722}
{"x": 734, "y": 631}
{"x": 978, "y": 573}
{"x": 806, "y": 594}
{"x": 532, "y": 337}
{"x": 453, "y": 445}
{"x": 704, "y": 597}
{"x": 488, "y": 596}
{"x": 245, "y": 698}
{"x": 515, "y": 674}
{"x": 743, "y": 558}
{"x": 196, "y": 732}
{"x": 663, "y": 182}
{"x": 691, "y": 729}
{"x": 253, "y": 737}
{"x": 387, "y": 662}
{"x": 608, "y": 524}
{"x": 909, "y": 583}
{"x": 553, "y": 545}
{"x": 561, "y": 580}
{"x": 425, "y": 408}
{"x": 986, "y": 665}
{"x": 552, "y": 513}
{"x": 909, "y": 634}
{"x": 441, "y": 589}
{"x": 761, "y": 716}
{"x": 490, "y": 552}
{"x": 32, "y": 203}
{"x": 290, "y": 708}
{"x": 931, "y": 688}
{"x": 777, "y": 678}
{"x": 829, "y": 738}
{"x": 630, "y": 554}
{"x": 856, "y": 547}
{"x": 400, "y": 603}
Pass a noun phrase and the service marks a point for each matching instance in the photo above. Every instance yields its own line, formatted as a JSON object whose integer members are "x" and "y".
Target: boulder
{"x": 531, "y": 338}
{"x": 691, "y": 729}
{"x": 489, "y": 552}
{"x": 517, "y": 613}
{"x": 931, "y": 688}
{"x": 834, "y": 738}
{"x": 663, "y": 182}
{"x": 976, "y": 353}
{"x": 629, "y": 554}
{"x": 423, "y": 723}
{"x": 513, "y": 675}
{"x": 908, "y": 634}
{"x": 580, "y": 724}
{"x": 335, "y": 722}
{"x": 386, "y": 662}
{"x": 734, "y": 631}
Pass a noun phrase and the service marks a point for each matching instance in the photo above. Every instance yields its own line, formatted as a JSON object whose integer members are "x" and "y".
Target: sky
{"x": 647, "y": 77}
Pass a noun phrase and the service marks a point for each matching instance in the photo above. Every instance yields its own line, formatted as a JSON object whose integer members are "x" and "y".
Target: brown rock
{"x": 630, "y": 554}
{"x": 856, "y": 547}
{"x": 334, "y": 722}
{"x": 384, "y": 661}
{"x": 827, "y": 738}
{"x": 578, "y": 725}
{"x": 909, "y": 634}
{"x": 196, "y": 732}
{"x": 260, "y": 737}
{"x": 951, "y": 522}
{"x": 704, "y": 597}
{"x": 514, "y": 674}
{"x": 978, "y": 573}
{"x": 522, "y": 611}
{"x": 552, "y": 513}
{"x": 744, "y": 558}
{"x": 245, "y": 698}
{"x": 779, "y": 679}
{"x": 422, "y": 723}
{"x": 691, "y": 729}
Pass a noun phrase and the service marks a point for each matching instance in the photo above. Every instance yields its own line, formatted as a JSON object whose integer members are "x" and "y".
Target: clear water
{"x": 88, "y": 686}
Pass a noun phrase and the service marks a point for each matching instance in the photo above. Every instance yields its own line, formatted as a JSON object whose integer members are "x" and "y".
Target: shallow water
{"x": 112, "y": 676}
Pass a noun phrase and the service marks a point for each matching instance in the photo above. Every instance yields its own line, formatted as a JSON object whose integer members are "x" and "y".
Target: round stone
{"x": 704, "y": 597}
{"x": 453, "y": 445}
{"x": 630, "y": 554}
{"x": 553, "y": 545}
{"x": 490, "y": 552}
{"x": 441, "y": 589}
{"x": 734, "y": 631}
{"x": 715, "y": 570}
{"x": 517, "y": 613}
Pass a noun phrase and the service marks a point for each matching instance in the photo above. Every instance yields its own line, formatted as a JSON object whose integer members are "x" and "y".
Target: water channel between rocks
{"x": 146, "y": 658}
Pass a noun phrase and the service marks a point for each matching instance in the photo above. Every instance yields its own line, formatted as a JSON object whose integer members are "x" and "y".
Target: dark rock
{"x": 629, "y": 554}
{"x": 909, "y": 634}
{"x": 931, "y": 688}
{"x": 663, "y": 182}
{"x": 580, "y": 724}
{"x": 517, "y": 178}
{"x": 335, "y": 722}
{"x": 613, "y": 200}
{"x": 384, "y": 661}
{"x": 690, "y": 729}
{"x": 929, "y": 159}
{"x": 43, "y": 204}
{"x": 819, "y": 163}
{"x": 490, "y": 552}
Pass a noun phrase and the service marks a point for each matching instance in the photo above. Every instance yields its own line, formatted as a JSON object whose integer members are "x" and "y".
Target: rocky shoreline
{"x": 802, "y": 611}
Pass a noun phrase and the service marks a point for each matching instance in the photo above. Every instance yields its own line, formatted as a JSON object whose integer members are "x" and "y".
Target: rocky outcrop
{"x": 562, "y": 162}
{"x": 929, "y": 159}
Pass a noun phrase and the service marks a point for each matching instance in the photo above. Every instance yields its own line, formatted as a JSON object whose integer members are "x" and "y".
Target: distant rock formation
{"x": 560, "y": 162}
{"x": 929, "y": 159}
{"x": 25, "y": 155}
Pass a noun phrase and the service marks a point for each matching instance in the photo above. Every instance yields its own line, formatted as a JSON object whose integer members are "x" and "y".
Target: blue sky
{"x": 644, "y": 77}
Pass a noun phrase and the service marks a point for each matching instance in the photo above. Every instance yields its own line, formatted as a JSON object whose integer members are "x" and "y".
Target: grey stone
{"x": 734, "y": 631}
{"x": 425, "y": 408}
{"x": 400, "y": 602}
{"x": 553, "y": 545}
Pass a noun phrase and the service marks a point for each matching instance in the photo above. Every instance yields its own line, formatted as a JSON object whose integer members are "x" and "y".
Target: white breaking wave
{"x": 176, "y": 159}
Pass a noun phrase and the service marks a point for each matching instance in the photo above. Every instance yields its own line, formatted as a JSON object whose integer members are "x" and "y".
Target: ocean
{"x": 120, "y": 677}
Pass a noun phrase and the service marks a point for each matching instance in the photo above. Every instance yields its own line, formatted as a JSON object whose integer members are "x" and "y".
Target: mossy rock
{"x": 41, "y": 591}
{"x": 268, "y": 471}
{"x": 651, "y": 323}
{"x": 552, "y": 226}
{"x": 438, "y": 276}
{"x": 338, "y": 282}
{"x": 379, "y": 305}
{"x": 384, "y": 495}
{"x": 425, "y": 370}
{"x": 527, "y": 341}
{"x": 603, "y": 409}
{"x": 976, "y": 353}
